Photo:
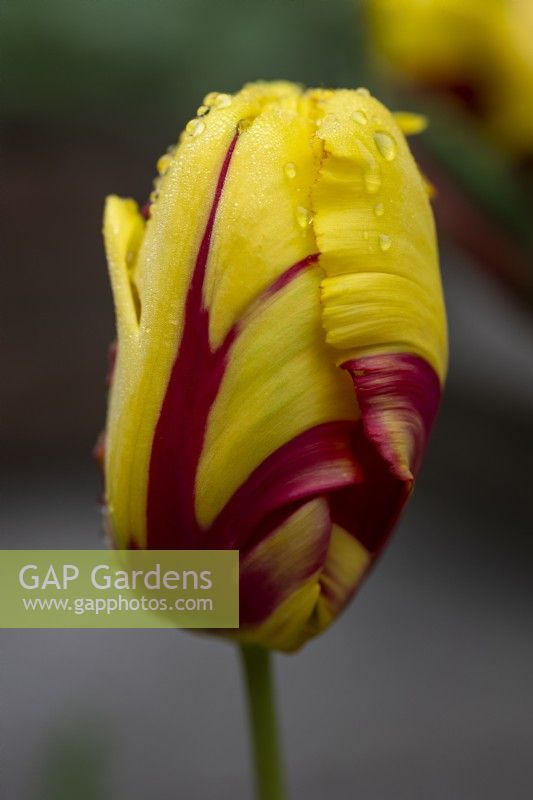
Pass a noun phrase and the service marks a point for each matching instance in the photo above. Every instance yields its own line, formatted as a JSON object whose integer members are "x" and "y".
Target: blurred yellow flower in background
{"x": 477, "y": 50}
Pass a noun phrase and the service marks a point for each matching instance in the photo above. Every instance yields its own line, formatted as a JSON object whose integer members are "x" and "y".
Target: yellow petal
{"x": 164, "y": 263}
{"x": 409, "y": 123}
{"x": 345, "y": 565}
{"x": 256, "y": 235}
{"x": 280, "y": 380}
{"x": 375, "y": 233}
{"x": 123, "y": 232}
{"x": 287, "y": 556}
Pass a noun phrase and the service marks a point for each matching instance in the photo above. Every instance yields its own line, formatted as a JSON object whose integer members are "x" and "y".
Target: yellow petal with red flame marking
{"x": 281, "y": 348}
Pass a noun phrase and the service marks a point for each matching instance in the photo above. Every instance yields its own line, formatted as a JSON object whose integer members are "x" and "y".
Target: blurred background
{"x": 424, "y": 687}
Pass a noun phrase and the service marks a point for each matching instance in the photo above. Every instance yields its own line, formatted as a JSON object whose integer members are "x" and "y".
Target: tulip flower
{"x": 281, "y": 348}
{"x": 280, "y": 358}
{"x": 478, "y": 50}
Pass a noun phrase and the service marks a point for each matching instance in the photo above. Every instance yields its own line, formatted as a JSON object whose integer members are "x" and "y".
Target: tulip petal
{"x": 284, "y": 560}
{"x": 319, "y": 461}
{"x": 280, "y": 580}
{"x": 143, "y": 373}
{"x": 375, "y": 233}
{"x": 409, "y": 123}
{"x": 283, "y": 396}
{"x": 399, "y": 396}
{"x": 123, "y": 232}
{"x": 344, "y": 568}
{"x": 293, "y": 585}
{"x": 256, "y": 236}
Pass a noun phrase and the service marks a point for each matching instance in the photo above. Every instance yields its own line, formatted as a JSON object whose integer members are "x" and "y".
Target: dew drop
{"x": 195, "y": 127}
{"x": 164, "y": 163}
{"x": 222, "y": 101}
{"x": 209, "y": 99}
{"x": 386, "y": 145}
{"x": 201, "y": 111}
{"x": 153, "y": 196}
{"x": 290, "y": 170}
{"x": 243, "y": 124}
{"x": 384, "y": 242}
{"x": 359, "y": 117}
{"x": 303, "y": 217}
{"x": 379, "y": 209}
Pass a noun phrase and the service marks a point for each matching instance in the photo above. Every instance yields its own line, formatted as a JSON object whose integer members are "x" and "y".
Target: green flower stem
{"x": 263, "y": 723}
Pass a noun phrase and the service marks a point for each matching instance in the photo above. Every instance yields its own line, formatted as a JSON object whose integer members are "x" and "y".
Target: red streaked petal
{"x": 178, "y": 437}
{"x": 284, "y": 561}
{"x": 317, "y": 462}
{"x": 398, "y": 395}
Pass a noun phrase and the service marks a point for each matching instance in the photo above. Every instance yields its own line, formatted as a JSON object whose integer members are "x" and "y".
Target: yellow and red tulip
{"x": 281, "y": 348}
{"x": 479, "y": 50}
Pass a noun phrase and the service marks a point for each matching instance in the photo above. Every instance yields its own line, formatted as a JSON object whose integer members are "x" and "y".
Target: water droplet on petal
{"x": 153, "y": 196}
{"x": 290, "y": 170}
{"x": 164, "y": 163}
{"x": 201, "y": 111}
{"x": 195, "y": 127}
{"x": 359, "y": 117}
{"x": 363, "y": 91}
{"x": 384, "y": 242}
{"x": 222, "y": 101}
{"x": 209, "y": 99}
{"x": 385, "y": 144}
{"x": 243, "y": 124}
{"x": 379, "y": 209}
{"x": 303, "y": 217}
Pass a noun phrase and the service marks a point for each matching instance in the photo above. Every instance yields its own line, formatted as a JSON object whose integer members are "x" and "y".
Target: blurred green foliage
{"x": 149, "y": 61}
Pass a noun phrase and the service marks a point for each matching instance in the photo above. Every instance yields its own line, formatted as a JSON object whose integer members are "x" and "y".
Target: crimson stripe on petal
{"x": 313, "y": 464}
{"x": 289, "y": 275}
{"x": 192, "y": 388}
{"x": 404, "y": 390}
{"x": 260, "y": 591}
